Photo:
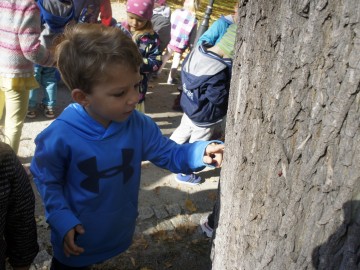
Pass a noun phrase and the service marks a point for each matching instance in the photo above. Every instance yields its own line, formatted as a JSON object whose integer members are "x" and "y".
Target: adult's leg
{"x": 16, "y": 104}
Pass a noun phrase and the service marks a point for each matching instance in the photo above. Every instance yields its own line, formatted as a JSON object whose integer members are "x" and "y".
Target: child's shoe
{"x": 48, "y": 111}
{"x": 189, "y": 179}
{"x": 31, "y": 114}
{"x": 207, "y": 230}
{"x": 172, "y": 81}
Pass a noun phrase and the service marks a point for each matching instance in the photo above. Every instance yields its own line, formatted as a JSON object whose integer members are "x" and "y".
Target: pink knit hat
{"x": 160, "y": 2}
{"x": 141, "y": 8}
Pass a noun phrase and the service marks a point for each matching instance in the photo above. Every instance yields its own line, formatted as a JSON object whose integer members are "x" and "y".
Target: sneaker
{"x": 172, "y": 81}
{"x": 31, "y": 114}
{"x": 189, "y": 179}
{"x": 207, "y": 230}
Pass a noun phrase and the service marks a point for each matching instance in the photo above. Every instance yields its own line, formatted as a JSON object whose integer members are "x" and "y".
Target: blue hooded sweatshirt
{"x": 214, "y": 34}
{"x": 90, "y": 175}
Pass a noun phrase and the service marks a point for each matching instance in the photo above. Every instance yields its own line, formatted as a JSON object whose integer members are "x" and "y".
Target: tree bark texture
{"x": 290, "y": 182}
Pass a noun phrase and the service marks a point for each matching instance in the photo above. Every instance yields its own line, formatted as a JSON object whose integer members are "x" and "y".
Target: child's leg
{"x": 181, "y": 135}
{"x": 32, "y": 98}
{"x": 176, "y": 60}
{"x": 211, "y": 217}
{"x": 56, "y": 265}
{"x": 34, "y": 92}
{"x": 16, "y": 109}
{"x": 201, "y": 133}
{"x": 175, "y": 64}
{"x": 183, "y": 132}
{"x": 165, "y": 57}
{"x": 49, "y": 83}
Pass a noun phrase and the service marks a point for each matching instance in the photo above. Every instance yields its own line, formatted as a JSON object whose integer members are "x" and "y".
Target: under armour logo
{"x": 89, "y": 168}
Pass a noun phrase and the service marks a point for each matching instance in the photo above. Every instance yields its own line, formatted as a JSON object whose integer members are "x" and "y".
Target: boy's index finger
{"x": 214, "y": 148}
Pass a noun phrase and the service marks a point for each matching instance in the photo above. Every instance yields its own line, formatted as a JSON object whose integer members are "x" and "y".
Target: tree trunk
{"x": 290, "y": 183}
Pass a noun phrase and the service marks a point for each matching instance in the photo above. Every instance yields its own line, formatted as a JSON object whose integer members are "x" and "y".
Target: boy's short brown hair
{"x": 87, "y": 50}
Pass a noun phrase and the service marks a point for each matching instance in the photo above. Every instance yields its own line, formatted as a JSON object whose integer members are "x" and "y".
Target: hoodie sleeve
{"x": 214, "y": 33}
{"x": 105, "y": 12}
{"x": 48, "y": 168}
{"x": 165, "y": 153}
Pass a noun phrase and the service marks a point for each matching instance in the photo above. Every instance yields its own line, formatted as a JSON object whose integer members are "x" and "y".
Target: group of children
{"x": 87, "y": 163}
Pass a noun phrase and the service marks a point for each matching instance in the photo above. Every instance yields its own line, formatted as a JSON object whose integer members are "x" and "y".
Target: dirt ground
{"x": 168, "y": 235}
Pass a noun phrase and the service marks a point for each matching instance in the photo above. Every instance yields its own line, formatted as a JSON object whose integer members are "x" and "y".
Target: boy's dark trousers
{"x": 56, "y": 265}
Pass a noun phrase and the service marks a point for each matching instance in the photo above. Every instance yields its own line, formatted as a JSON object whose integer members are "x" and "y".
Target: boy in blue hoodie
{"x": 87, "y": 162}
{"x": 205, "y": 76}
{"x": 55, "y": 15}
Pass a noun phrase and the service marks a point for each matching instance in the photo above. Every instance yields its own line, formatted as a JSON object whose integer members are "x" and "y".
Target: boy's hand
{"x": 70, "y": 248}
{"x": 214, "y": 154}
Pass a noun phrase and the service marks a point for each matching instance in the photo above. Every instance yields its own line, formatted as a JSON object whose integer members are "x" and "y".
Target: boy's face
{"x": 135, "y": 22}
{"x": 114, "y": 99}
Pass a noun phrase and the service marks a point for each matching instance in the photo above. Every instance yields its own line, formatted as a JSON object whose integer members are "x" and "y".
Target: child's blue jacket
{"x": 214, "y": 34}
{"x": 90, "y": 175}
{"x": 205, "y": 78}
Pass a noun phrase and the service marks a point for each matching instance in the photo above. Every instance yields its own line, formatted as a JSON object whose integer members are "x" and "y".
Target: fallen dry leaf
{"x": 157, "y": 190}
{"x": 189, "y": 205}
{"x": 168, "y": 264}
{"x": 160, "y": 235}
{"x": 133, "y": 261}
{"x": 140, "y": 243}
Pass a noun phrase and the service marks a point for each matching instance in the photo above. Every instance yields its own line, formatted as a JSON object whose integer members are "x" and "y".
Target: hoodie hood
{"x": 205, "y": 81}
{"x": 56, "y": 14}
{"x": 86, "y": 127}
{"x": 200, "y": 65}
{"x": 228, "y": 19}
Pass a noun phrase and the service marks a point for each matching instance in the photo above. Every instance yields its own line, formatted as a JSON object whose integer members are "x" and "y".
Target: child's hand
{"x": 70, "y": 248}
{"x": 214, "y": 154}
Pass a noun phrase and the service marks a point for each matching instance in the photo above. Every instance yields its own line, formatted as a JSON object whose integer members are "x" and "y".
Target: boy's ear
{"x": 80, "y": 97}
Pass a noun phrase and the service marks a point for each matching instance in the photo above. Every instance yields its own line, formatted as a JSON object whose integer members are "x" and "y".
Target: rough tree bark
{"x": 290, "y": 183}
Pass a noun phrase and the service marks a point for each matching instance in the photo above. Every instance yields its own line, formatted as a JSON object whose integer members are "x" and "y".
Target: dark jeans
{"x": 56, "y": 265}
{"x": 211, "y": 217}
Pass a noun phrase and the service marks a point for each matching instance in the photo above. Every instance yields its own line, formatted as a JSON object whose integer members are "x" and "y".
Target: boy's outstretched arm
{"x": 214, "y": 154}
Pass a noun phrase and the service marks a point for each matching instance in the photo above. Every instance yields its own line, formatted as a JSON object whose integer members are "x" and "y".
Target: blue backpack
{"x": 56, "y": 13}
